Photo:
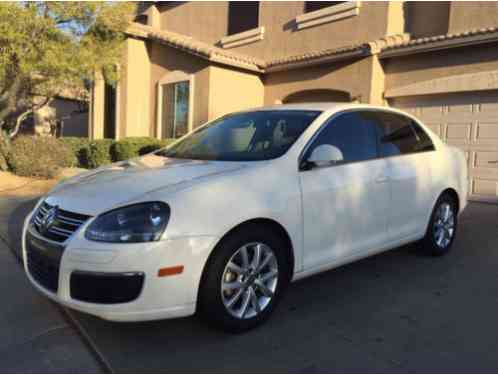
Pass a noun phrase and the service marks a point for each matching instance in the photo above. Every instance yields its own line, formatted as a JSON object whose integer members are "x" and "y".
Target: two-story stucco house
{"x": 189, "y": 62}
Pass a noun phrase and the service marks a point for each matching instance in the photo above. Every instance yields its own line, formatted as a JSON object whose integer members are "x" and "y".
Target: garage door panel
{"x": 487, "y": 133}
{"x": 458, "y": 132}
{"x": 488, "y": 103}
{"x": 486, "y": 159}
{"x": 468, "y": 121}
{"x": 484, "y": 188}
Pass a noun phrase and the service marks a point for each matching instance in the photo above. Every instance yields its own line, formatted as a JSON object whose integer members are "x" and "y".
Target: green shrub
{"x": 131, "y": 147}
{"x": 77, "y": 146}
{"x": 38, "y": 156}
{"x": 98, "y": 153}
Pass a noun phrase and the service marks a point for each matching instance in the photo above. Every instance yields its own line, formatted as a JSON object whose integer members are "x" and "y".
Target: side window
{"x": 424, "y": 141}
{"x": 400, "y": 135}
{"x": 353, "y": 134}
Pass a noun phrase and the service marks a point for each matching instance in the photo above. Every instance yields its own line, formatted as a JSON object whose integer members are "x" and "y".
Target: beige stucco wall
{"x": 351, "y": 76}
{"x": 208, "y": 21}
{"x": 465, "y": 15}
{"x": 134, "y": 91}
{"x": 231, "y": 90}
{"x": 96, "y": 115}
{"x": 407, "y": 70}
{"x": 282, "y": 38}
{"x": 204, "y": 20}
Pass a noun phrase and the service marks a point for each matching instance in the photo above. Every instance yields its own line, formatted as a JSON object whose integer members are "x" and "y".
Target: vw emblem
{"x": 48, "y": 219}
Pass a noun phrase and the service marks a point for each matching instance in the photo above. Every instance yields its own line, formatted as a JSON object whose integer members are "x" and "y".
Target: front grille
{"x": 43, "y": 260}
{"x": 63, "y": 225}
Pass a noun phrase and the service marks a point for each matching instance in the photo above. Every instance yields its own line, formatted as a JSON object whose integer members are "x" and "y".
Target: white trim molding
{"x": 459, "y": 83}
{"x": 329, "y": 14}
{"x": 245, "y": 37}
{"x": 170, "y": 78}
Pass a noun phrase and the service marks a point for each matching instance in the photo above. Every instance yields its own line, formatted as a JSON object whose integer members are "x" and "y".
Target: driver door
{"x": 345, "y": 204}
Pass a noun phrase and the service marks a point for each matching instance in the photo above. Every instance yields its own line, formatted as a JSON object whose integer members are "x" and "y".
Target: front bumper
{"x": 159, "y": 297}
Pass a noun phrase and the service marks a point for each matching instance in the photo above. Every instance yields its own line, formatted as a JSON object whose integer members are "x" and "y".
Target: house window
{"x": 311, "y": 6}
{"x": 109, "y": 111}
{"x": 175, "y": 109}
{"x": 242, "y": 16}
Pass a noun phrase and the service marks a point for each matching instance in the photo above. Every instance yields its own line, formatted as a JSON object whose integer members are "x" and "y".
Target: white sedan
{"x": 224, "y": 219}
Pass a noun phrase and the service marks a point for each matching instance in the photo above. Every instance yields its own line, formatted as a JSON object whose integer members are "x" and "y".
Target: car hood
{"x": 105, "y": 188}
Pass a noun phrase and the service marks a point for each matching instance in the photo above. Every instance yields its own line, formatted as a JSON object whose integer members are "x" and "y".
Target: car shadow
{"x": 399, "y": 311}
{"x": 15, "y": 223}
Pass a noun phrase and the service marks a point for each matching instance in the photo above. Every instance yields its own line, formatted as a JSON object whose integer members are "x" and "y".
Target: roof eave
{"x": 356, "y": 53}
{"x": 441, "y": 44}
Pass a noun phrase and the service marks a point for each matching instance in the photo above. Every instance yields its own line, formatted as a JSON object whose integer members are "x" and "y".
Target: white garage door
{"x": 469, "y": 121}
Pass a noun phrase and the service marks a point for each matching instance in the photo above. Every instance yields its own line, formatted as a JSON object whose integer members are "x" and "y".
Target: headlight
{"x": 142, "y": 222}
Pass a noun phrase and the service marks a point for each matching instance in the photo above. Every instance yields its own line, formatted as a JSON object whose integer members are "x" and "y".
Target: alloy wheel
{"x": 249, "y": 280}
{"x": 444, "y": 225}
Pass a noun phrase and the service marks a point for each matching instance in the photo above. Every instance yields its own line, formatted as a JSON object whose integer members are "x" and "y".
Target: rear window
{"x": 400, "y": 135}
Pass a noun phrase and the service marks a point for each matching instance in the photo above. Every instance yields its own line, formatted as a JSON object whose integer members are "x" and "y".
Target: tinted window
{"x": 400, "y": 135}
{"x": 311, "y": 6}
{"x": 353, "y": 133}
{"x": 247, "y": 136}
{"x": 242, "y": 16}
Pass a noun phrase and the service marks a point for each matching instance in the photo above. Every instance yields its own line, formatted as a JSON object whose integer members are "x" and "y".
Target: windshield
{"x": 247, "y": 136}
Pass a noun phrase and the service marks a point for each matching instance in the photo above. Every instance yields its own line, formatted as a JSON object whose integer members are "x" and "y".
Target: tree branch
{"x": 19, "y": 121}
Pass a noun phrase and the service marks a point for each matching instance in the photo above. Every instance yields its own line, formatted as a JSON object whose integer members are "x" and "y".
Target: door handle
{"x": 381, "y": 179}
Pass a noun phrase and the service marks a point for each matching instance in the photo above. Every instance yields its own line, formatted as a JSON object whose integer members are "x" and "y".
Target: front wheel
{"x": 442, "y": 227}
{"x": 244, "y": 280}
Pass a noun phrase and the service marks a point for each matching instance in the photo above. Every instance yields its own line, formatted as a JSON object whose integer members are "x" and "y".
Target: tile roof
{"x": 392, "y": 45}
{"x": 196, "y": 47}
{"x": 331, "y": 54}
{"x": 441, "y": 41}
{"x": 220, "y": 55}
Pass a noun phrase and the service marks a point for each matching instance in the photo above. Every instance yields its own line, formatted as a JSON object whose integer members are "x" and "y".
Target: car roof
{"x": 318, "y": 106}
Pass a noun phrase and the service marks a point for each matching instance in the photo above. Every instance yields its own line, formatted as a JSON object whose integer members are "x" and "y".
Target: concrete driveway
{"x": 396, "y": 312}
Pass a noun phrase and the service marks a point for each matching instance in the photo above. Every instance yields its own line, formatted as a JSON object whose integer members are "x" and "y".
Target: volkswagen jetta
{"x": 225, "y": 218}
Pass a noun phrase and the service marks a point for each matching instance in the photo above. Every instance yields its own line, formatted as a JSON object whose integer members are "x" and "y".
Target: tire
{"x": 223, "y": 306}
{"x": 442, "y": 230}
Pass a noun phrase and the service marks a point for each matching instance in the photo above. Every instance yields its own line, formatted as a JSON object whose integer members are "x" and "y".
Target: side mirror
{"x": 323, "y": 155}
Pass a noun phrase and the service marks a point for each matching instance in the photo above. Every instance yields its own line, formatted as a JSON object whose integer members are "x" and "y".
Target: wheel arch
{"x": 453, "y": 193}
{"x": 275, "y": 225}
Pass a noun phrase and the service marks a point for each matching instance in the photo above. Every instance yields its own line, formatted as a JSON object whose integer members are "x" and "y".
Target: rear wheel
{"x": 244, "y": 279}
{"x": 442, "y": 227}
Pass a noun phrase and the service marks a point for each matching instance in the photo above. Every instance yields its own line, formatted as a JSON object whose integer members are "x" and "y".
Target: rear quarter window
{"x": 400, "y": 135}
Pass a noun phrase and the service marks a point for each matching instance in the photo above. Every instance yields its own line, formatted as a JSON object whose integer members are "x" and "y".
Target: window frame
{"x": 173, "y": 78}
{"x": 309, "y": 143}
{"x": 328, "y": 14}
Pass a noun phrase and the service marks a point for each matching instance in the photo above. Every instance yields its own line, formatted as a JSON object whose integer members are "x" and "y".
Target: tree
{"x": 49, "y": 47}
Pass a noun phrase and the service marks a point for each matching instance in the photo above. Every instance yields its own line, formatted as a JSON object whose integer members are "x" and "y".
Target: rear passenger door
{"x": 407, "y": 150}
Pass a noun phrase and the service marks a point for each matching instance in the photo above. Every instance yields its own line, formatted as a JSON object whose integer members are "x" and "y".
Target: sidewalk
{"x": 35, "y": 335}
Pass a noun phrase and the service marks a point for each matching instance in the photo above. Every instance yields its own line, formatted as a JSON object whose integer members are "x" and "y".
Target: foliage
{"x": 51, "y": 48}
{"x": 44, "y": 156}
{"x": 38, "y": 156}
{"x": 4, "y": 151}
{"x": 98, "y": 153}
{"x": 77, "y": 145}
{"x": 131, "y": 147}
